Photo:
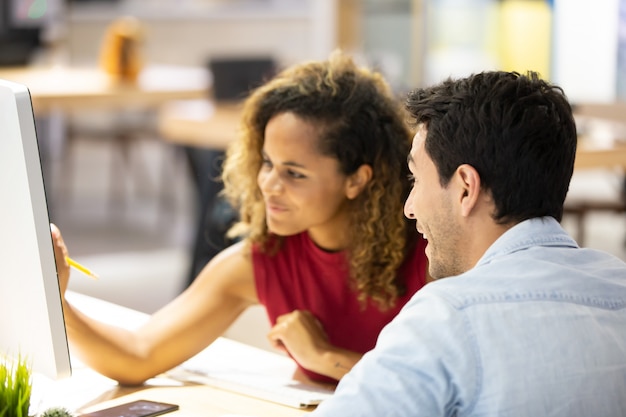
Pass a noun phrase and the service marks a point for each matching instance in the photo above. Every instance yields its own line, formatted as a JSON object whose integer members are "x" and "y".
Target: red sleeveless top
{"x": 301, "y": 276}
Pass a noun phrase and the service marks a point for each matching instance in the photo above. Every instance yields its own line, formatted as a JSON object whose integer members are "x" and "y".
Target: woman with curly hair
{"x": 319, "y": 177}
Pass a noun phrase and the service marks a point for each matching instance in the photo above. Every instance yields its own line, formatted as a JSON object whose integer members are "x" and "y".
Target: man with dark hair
{"x": 519, "y": 321}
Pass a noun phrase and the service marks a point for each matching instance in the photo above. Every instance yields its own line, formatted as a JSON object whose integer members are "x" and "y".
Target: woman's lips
{"x": 275, "y": 208}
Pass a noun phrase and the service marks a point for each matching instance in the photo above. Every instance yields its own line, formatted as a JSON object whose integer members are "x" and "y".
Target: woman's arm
{"x": 182, "y": 328}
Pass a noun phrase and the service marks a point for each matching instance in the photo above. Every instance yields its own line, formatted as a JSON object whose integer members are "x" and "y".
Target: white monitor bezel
{"x": 31, "y": 312}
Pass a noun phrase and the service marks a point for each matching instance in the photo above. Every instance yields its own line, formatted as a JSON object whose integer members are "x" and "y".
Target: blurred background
{"x": 129, "y": 174}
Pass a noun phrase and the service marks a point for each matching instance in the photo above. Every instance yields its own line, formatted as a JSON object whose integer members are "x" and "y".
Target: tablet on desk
{"x": 251, "y": 371}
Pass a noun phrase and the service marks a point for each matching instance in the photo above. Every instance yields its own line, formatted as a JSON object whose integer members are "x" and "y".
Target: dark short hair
{"x": 516, "y": 130}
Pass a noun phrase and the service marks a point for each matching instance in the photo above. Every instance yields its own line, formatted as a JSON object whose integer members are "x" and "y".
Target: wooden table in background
{"x": 200, "y": 123}
{"x": 602, "y": 136}
{"x": 591, "y": 155}
{"x": 79, "y": 88}
{"x": 601, "y": 146}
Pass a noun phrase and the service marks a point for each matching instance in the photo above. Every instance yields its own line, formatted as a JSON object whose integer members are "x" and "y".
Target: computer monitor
{"x": 234, "y": 78}
{"x": 31, "y": 314}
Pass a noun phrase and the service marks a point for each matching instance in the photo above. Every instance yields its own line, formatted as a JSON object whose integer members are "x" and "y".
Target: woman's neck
{"x": 333, "y": 236}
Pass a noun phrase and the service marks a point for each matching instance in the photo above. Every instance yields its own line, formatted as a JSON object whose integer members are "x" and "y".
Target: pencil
{"x": 80, "y": 267}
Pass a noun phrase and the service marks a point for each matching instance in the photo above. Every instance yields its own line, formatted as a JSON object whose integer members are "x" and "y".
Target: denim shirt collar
{"x": 539, "y": 231}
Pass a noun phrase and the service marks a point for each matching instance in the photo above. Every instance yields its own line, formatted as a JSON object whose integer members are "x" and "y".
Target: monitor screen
{"x": 31, "y": 314}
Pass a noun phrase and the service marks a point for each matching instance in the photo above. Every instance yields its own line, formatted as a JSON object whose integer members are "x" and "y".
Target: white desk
{"x": 88, "y": 391}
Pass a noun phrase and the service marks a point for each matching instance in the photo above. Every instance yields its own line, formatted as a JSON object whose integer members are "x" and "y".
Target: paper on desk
{"x": 250, "y": 371}
{"x": 231, "y": 359}
{"x": 235, "y": 415}
{"x": 70, "y": 393}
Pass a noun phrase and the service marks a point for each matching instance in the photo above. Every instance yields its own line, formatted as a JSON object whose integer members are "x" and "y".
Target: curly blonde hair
{"x": 359, "y": 122}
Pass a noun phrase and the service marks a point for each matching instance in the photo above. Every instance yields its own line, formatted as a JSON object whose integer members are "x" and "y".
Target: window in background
{"x": 387, "y": 39}
{"x": 461, "y": 38}
{"x": 584, "y": 54}
{"x": 521, "y": 49}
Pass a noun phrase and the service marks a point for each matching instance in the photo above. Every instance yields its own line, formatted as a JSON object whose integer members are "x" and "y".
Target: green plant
{"x": 57, "y": 412}
{"x": 15, "y": 388}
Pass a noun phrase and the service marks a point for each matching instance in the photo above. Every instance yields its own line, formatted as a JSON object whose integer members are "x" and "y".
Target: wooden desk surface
{"x": 592, "y": 155}
{"x": 89, "y": 391}
{"x": 602, "y": 139}
{"x": 69, "y": 88}
{"x": 199, "y": 123}
{"x": 86, "y": 391}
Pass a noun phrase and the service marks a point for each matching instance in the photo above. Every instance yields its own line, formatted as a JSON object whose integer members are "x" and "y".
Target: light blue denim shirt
{"x": 537, "y": 328}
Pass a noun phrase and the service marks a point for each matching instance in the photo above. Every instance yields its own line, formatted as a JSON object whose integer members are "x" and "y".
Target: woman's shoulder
{"x": 237, "y": 249}
{"x": 232, "y": 263}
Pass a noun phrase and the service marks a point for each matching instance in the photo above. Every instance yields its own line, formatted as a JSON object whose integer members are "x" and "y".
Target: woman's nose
{"x": 271, "y": 182}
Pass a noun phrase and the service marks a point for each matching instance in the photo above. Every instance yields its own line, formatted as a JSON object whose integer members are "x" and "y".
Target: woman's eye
{"x": 295, "y": 174}
{"x": 266, "y": 163}
{"x": 411, "y": 178}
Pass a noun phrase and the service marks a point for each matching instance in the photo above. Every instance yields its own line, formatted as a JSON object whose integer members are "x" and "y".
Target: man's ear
{"x": 469, "y": 181}
{"x": 357, "y": 181}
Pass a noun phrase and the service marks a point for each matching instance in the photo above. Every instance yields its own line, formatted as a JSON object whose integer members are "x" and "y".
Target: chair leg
{"x": 67, "y": 169}
{"x": 117, "y": 188}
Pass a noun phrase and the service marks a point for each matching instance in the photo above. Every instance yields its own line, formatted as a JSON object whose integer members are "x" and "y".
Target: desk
{"x": 601, "y": 147}
{"x": 88, "y": 391}
{"x": 602, "y": 139}
{"x": 69, "y": 88}
{"x": 590, "y": 155}
{"x": 200, "y": 123}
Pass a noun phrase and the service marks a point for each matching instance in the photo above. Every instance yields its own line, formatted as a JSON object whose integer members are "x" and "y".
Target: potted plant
{"x": 15, "y": 388}
{"x": 57, "y": 412}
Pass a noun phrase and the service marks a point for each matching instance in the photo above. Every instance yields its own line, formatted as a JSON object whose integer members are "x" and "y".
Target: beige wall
{"x": 190, "y": 38}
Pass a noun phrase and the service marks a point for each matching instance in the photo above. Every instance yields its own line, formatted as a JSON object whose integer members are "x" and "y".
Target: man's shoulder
{"x": 575, "y": 275}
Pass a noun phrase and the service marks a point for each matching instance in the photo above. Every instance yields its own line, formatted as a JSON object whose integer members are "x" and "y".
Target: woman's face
{"x": 302, "y": 189}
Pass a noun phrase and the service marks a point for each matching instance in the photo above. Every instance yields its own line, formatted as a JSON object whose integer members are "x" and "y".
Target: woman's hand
{"x": 60, "y": 253}
{"x": 300, "y": 334}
